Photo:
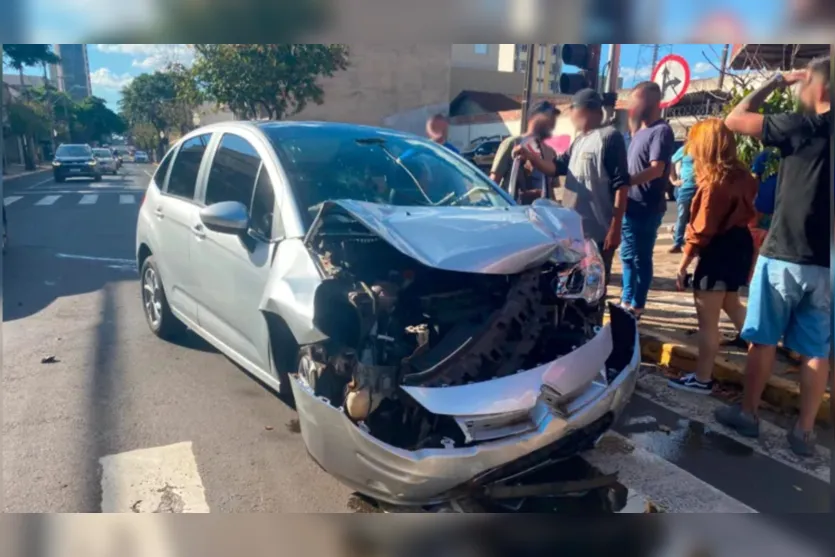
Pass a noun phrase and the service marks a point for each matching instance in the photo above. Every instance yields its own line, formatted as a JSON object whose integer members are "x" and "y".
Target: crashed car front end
{"x": 445, "y": 348}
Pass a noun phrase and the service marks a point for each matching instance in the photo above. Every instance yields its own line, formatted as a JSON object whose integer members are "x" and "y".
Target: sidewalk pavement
{"x": 669, "y": 335}
{"x": 13, "y": 171}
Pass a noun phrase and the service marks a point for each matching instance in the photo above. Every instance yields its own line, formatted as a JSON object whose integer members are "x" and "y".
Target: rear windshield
{"x": 73, "y": 151}
{"x": 104, "y": 153}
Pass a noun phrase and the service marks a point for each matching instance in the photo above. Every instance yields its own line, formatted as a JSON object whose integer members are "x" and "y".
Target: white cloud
{"x": 702, "y": 68}
{"x": 633, "y": 73}
{"x": 106, "y": 79}
{"x": 151, "y": 57}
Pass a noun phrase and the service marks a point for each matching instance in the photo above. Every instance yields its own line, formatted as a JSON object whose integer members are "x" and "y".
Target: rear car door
{"x": 234, "y": 269}
{"x": 177, "y": 215}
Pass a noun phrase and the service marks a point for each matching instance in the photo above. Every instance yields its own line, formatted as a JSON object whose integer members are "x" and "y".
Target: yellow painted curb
{"x": 779, "y": 391}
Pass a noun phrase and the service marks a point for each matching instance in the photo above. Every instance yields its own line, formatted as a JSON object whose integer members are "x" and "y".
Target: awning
{"x": 775, "y": 56}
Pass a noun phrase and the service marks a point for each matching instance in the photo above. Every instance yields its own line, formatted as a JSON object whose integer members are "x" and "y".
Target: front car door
{"x": 176, "y": 213}
{"x": 234, "y": 269}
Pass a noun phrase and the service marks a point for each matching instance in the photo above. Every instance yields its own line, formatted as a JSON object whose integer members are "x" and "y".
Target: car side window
{"x": 263, "y": 205}
{"x": 233, "y": 173}
{"x": 183, "y": 179}
{"x": 162, "y": 170}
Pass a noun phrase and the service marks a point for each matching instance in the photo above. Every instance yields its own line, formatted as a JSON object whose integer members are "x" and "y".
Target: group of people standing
{"x": 738, "y": 229}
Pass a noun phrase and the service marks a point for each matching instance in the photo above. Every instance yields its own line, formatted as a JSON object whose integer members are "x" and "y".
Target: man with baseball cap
{"x": 538, "y": 158}
{"x": 597, "y": 176}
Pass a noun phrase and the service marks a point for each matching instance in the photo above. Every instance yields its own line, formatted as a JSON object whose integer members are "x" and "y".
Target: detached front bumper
{"x": 557, "y": 423}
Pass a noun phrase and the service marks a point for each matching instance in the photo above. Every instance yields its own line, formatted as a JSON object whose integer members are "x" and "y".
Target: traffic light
{"x": 587, "y": 58}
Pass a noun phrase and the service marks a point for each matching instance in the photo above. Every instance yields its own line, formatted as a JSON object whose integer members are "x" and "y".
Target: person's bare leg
{"x": 814, "y": 374}
{"x": 708, "y": 311}
{"x": 758, "y": 368}
{"x": 734, "y": 309}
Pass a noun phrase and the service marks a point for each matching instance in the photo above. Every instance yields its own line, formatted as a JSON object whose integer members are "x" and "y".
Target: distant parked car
{"x": 482, "y": 156}
{"x": 107, "y": 163}
{"x": 140, "y": 157}
{"x": 75, "y": 161}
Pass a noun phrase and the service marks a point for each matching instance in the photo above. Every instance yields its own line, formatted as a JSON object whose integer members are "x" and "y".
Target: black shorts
{"x": 725, "y": 263}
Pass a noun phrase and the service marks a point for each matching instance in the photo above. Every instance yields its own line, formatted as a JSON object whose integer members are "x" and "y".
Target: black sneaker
{"x": 802, "y": 443}
{"x": 690, "y": 384}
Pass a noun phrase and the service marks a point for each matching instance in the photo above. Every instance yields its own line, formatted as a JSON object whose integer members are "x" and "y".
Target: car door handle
{"x": 158, "y": 212}
{"x": 199, "y": 231}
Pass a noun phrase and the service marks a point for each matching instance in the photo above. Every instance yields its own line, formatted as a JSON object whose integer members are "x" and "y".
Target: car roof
{"x": 74, "y": 145}
{"x": 268, "y": 127}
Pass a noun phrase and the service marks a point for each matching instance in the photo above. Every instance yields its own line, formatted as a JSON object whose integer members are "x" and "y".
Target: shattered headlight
{"x": 586, "y": 280}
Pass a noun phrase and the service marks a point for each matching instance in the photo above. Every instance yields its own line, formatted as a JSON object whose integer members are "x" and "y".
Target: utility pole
{"x": 655, "y": 49}
{"x": 723, "y": 66}
{"x": 526, "y": 101}
{"x": 614, "y": 65}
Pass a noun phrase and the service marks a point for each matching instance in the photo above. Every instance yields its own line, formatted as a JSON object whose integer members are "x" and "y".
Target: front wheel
{"x": 161, "y": 320}
{"x": 97, "y": 178}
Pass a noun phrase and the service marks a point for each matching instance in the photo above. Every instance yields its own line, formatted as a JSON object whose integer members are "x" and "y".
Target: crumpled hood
{"x": 487, "y": 240}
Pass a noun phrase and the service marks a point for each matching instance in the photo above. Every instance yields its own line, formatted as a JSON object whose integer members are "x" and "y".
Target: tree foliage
{"x": 164, "y": 99}
{"x": 780, "y": 101}
{"x": 94, "y": 122}
{"x": 145, "y": 136}
{"x": 20, "y": 56}
{"x": 269, "y": 80}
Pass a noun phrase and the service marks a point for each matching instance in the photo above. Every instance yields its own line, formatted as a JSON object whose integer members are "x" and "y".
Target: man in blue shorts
{"x": 790, "y": 296}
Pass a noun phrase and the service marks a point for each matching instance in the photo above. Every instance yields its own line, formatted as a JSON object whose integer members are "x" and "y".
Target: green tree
{"x": 748, "y": 147}
{"x": 147, "y": 99}
{"x": 20, "y": 56}
{"x": 95, "y": 122}
{"x": 271, "y": 80}
{"x": 145, "y": 136}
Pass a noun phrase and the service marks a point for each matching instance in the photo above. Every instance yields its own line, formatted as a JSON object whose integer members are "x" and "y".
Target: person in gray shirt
{"x": 596, "y": 174}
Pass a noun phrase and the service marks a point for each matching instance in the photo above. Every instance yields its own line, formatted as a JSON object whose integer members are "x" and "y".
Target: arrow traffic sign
{"x": 672, "y": 74}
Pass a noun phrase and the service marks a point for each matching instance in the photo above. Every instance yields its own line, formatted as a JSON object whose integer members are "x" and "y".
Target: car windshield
{"x": 139, "y": 154}
{"x": 362, "y": 164}
{"x": 102, "y": 153}
{"x": 73, "y": 151}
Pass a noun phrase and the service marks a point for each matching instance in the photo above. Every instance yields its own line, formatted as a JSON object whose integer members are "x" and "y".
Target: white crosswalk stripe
{"x": 11, "y": 199}
{"x": 88, "y": 199}
{"x": 126, "y": 200}
{"x": 48, "y": 200}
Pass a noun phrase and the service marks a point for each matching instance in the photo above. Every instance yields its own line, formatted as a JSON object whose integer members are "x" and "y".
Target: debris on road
{"x": 49, "y": 360}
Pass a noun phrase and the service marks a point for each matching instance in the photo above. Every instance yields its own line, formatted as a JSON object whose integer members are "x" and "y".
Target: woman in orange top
{"x": 718, "y": 235}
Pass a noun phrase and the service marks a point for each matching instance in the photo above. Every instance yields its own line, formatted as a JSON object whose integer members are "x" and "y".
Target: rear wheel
{"x": 158, "y": 313}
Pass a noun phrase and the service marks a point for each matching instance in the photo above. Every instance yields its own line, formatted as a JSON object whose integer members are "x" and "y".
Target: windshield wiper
{"x": 453, "y": 200}
{"x": 381, "y": 143}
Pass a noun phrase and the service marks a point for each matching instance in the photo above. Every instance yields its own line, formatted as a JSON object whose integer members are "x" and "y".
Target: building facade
{"x": 512, "y": 58}
{"x": 72, "y": 74}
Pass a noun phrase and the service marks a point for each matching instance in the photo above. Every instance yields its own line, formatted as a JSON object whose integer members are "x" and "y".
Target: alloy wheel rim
{"x": 151, "y": 297}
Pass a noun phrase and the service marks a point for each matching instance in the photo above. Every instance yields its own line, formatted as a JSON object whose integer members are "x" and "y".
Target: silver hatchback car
{"x": 433, "y": 334}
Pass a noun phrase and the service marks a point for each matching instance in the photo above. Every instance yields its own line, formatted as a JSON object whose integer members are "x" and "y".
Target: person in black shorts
{"x": 718, "y": 234}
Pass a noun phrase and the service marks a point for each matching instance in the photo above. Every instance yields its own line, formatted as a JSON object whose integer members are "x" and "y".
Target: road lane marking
{"x": 11, "y": 199}
{"x": 48, "y": 200}
{"x": 771, "y": 443}
{"x": 93, "y": 258}
{"x": 88, "y": 199}
{"x": 33, "y": 186}
{"x": 673, "y": 489}
{"x": 156, "y": 480}
{"x": 126, "y": 200}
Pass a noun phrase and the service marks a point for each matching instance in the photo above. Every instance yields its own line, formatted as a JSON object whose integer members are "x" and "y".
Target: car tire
{"x": 97, "y": 178}
{"x": 166, "y": 326}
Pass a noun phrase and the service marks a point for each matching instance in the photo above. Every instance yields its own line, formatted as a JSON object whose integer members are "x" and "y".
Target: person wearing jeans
{"x": 790, "y": 296}
{"x": 684, "y": 195}
{"x": 649, "y": 159}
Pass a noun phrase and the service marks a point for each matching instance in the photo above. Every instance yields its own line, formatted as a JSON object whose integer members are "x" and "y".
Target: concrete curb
{"x": 25, "y": 174}
{"x": 780, "y": 392}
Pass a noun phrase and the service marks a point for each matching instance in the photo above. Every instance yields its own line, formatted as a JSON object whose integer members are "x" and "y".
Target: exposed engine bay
{"x": 392, "y": 321}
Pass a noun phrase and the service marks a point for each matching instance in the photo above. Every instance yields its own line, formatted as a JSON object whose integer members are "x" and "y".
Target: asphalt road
{"x": 86, "y": 386}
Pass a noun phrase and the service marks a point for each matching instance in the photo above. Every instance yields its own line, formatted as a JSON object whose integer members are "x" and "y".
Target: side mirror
{"x": 227, "y": 217}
